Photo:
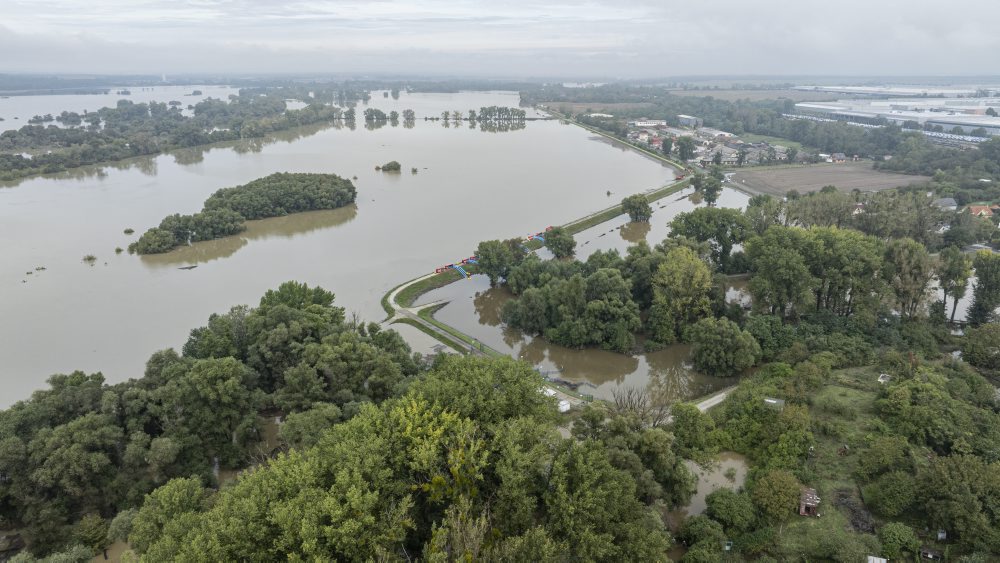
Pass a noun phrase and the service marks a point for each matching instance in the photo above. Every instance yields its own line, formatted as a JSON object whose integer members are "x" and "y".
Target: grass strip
{"x": 436, "y": 336}
{"x": 411, "y": 293}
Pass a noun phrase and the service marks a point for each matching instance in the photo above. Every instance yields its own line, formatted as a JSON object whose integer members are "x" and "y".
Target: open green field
{"x": 777, "y": 181}
{"x": 752, "y": 138}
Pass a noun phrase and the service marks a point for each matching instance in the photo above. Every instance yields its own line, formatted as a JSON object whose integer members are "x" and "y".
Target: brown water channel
{"x": 474, "y": 308}
{"x": 471, "y": 185}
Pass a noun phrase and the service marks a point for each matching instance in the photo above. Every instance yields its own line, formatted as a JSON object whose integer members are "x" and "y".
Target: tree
{"x": 685, "y": 148}
{"x": 956, "y": 493}
{"x": 717, "y": 158}
{"x": 121, "y": 525}
{"x": 981, "y": 346}
{"x": 721, "y": 227}
{"x": 781, "y": 281}
{"x": 76, "y": 461}
{"x": 637, "y": 207}
{"x": 892, "y": 494}
{"x": 908, "y": 269}
{"x": 211, "y": 407}
{"x": 898, "y": 539}
{"x": 168, "y": 511}
{"x": 991, "y": 112}
{"x": 692, "y": 431}
{"x": 735, "y": 510}
{"x": 721, "y": 348}
{"x": 681, "y": 288}
{"x": 495, "y": 258}
{"x": 776, "y": 493}
{"x": 487, "y": 390}
{"x": 711, "y": 189}
{"x": 668, "y": 146}
{"x": 986, "y": 294}
{"x": 302, "y": 430}
{"x": 560, "y": 242}
{"x": 953, "y": 271}
{"x": 92, "y": 531}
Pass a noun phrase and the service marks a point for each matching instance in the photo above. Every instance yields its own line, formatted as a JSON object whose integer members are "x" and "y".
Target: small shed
{"x": 808, "y": 502}
{"x": 776, "y": 404}
{"x": 873, "y": 559}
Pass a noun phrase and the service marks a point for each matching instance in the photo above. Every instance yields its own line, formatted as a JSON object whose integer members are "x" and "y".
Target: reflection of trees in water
{"x": 672, "y": 376}
{"x": 489, "y": 304}
{"x": 373, "y": 125}
{"x": 287, "y": 227}
{"x": 589, "y": 364}
{"x": 500, "y": 126}
{"x": 193, "y": 155}
{"x": 635, "y": 231}
{"x": 144, "y": 164}
{"x": 512, "y": 337}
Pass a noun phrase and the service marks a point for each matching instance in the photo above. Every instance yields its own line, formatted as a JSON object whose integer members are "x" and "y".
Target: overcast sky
{"x": 503, "y": 38}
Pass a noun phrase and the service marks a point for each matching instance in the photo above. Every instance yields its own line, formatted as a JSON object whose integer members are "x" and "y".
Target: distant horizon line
{"x": 359, "y": 76}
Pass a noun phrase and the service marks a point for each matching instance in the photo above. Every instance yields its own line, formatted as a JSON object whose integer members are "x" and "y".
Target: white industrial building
{"x": 967, "y": 113}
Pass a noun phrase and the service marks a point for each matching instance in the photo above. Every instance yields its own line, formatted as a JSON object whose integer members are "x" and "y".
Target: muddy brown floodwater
{"x": 474, "y": 308}
{"x": 471, "y": 185}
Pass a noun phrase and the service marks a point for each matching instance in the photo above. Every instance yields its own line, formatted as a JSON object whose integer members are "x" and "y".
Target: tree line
{"x": 135, "y": 129}
{"x": 812, "y": 255}
{"x": 225, "y": 211}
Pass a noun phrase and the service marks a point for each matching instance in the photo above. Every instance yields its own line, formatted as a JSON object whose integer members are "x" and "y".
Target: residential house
{"x": 838, "y": 158}
{"x": 980, "y": 210}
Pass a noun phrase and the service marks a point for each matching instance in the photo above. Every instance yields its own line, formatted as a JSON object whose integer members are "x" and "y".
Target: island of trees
{"x": 134, "y": 129}
{"x": 225, "y": 212}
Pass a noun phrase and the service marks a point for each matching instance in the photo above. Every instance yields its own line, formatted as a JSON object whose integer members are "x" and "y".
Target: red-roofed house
{"x": 980, "y": 210}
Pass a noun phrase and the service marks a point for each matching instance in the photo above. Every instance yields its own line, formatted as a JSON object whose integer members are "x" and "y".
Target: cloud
{"x": 641, "y": 38}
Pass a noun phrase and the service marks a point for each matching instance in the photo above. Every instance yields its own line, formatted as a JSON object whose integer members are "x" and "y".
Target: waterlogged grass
{"x": 411, "y": 293}
{"x": 610, "y": 213}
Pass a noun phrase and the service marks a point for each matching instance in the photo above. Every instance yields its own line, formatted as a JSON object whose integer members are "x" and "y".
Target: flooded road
{"x": 471, "y": 185}
{"x": 474, "y": 308}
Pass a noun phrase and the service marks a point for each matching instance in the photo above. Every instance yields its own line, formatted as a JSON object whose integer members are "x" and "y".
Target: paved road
{"x": 413, "y": 313}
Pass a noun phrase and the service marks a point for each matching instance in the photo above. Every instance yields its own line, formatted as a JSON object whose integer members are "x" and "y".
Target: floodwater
{"x": 474, "y": 308}
{"x": 471, "y": 185}
{"x": 728, "y": 472}
{"x": 15, "y": 111}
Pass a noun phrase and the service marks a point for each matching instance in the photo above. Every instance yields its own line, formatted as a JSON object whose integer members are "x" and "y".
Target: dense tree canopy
{"x": 84, "y": 447}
